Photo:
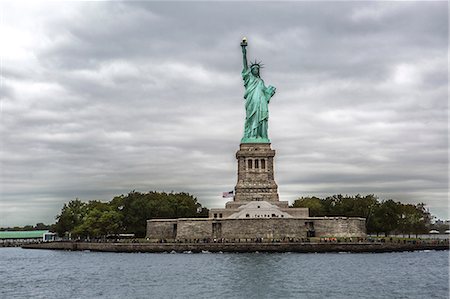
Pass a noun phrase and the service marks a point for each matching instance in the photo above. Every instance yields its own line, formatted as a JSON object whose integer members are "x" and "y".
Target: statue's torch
{"x": 244, "y": 42}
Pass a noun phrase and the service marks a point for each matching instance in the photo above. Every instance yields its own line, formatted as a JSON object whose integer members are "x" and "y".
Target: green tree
{"x": 314, "y": 204}
{"x": 381, "y": 217}
{"x": 138, "y": 207}
{"x": 364, "y": 207}
{"x": 389, "y": 215}
{"x": 41, "y": 226}
{"x": 72, "y": 215}
{"x": 99, "y": 224}
{"x": 410, "y": 216}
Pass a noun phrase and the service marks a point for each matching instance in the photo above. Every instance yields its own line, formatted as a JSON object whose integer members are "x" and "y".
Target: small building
{"x": 49, "y": 237}
{"x": 22, "y": 237}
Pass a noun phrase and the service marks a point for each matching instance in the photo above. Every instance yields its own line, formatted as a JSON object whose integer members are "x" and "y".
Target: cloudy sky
{"x": 98, "y": 99}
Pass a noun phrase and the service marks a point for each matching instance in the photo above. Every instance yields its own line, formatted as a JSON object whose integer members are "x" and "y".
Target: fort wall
{"x": 252, "y": 228}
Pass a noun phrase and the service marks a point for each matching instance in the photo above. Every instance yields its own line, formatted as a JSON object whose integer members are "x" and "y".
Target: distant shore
{"x": 354, "y": 247}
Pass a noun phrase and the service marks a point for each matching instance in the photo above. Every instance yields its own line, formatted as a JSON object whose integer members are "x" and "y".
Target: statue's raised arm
{"x": 244, "y": 53}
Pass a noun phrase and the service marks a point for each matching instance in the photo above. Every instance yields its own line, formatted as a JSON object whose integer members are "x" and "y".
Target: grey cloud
{"x": 148, "y": 96}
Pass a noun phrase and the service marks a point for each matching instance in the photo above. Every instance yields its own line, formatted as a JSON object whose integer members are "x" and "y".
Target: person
{"x": 257, "y": 97}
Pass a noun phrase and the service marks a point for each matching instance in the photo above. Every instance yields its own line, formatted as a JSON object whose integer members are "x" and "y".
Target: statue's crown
{"x": 256, "y": 64}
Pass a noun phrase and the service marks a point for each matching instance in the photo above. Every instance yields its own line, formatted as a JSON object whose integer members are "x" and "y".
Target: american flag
{"x": 227, "y": 194}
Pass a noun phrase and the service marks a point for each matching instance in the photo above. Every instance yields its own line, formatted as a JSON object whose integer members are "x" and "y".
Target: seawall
{"x": 238, "y": 247}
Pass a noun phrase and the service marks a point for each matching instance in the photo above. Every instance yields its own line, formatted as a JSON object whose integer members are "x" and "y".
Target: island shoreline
{"x": 361, "y": 247}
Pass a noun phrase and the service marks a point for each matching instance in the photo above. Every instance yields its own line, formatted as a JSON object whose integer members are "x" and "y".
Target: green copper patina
{"x": 257, "y": 97}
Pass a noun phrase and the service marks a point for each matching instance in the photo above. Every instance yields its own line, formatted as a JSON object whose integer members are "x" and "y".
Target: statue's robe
{"x": 257, "y": 97}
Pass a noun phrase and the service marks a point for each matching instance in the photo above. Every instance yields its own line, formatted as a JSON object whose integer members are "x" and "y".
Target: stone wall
{"x": 233, "y": 207}
{"x": 162, "y": 229}
{"x": 243, "y": 247}
{"x": 251, "y": 228}
{"x": 297, "y": 212}
{"x": 272, "y": 228}
{"x": 339, "y": 226}
{"x": 222, "y": 213}
{"x": 194, "y": 228}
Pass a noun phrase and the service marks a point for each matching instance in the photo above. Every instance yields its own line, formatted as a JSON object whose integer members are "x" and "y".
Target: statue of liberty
{"x": 257, "y": 97}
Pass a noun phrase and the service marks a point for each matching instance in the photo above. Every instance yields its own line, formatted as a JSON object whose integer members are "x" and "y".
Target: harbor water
{"x": 64, "y": 274}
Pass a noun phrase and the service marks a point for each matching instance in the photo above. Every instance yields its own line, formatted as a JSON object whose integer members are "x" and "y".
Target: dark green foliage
{"x": 72, "y": 215}
{"x": 415, "y": 219}
{"x": 316, "y": 205}
{"x": 38, "y": 226}
{"x": 381, "y": 217}
{"x": 125, "y": 213}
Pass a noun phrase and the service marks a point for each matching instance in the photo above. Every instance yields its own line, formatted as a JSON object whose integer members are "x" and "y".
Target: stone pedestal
{"x": 255, "y": 173}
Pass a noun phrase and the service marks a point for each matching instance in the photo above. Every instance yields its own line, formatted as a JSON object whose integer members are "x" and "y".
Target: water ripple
{"x": 62, "y": 274}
